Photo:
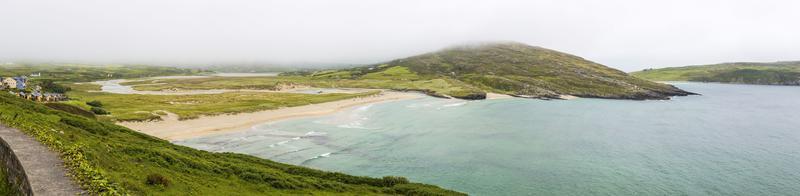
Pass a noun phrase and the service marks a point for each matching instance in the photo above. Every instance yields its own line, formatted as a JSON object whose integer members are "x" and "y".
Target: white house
{"x": 9, "y": 82}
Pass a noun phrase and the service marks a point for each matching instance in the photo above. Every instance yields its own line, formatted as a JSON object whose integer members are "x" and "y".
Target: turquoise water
{"x": 733, "y": 140}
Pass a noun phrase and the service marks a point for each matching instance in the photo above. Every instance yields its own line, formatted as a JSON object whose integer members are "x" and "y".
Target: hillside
{"x": 107, "y": 159}
{"x": 777, "y": 73}
{"x": 510, "y": 68}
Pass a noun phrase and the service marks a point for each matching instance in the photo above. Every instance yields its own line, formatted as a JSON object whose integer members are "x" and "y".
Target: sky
{"x": 624, "y": 34}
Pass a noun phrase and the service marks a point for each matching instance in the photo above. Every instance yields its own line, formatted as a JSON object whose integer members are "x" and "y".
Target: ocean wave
{"x": 419, "y": 105}
{"x": 352, "y": 125}
{"x": 455, "y": 104}
{"x": 449, "y": 105}
{"x": 364, "y": 108}
{"x": 315, "y": 133}
{"x": 323, "y": 155}
{"x": 278, "y": 144}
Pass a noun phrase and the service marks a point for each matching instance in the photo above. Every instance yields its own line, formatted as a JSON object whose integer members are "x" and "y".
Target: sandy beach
{"x": 170, "y": 128}
{"x": 497, "y": 96}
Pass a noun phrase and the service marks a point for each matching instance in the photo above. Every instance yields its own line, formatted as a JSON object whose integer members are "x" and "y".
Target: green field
{"x": 86, "y": 73}
{"x": 134, "y": 107}
{"x": 109, "y": 159}
{"x": 388, "y": 79}
{"x": 779, "y": 73}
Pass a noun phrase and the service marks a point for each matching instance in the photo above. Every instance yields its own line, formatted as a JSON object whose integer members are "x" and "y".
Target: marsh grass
{"x": 134, "y": 107}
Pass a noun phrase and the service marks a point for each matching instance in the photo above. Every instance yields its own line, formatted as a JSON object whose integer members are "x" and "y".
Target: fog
{"x": 625, "y": 34}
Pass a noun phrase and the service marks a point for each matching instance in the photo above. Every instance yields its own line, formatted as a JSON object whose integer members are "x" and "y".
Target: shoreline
{"x": 172, "y": 129}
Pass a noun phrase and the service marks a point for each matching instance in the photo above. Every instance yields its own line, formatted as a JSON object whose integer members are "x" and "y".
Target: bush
{"x": 70, "y": 109}
{"x": 50, "y": 86}
{"x": 389, "y": 181}
{"x": 90, "y": 126}
{"x": 157, "y": 179}
{"x": 95, "y": 103}
{"x": 99, "y": 111}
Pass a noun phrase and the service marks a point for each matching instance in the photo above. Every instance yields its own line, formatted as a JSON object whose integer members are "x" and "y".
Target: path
{"x": 45, "y": 170}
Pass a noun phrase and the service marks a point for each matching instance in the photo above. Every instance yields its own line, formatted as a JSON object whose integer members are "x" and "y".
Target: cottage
{"x": 21, "y": 82}
{"x": 9, "y": 82}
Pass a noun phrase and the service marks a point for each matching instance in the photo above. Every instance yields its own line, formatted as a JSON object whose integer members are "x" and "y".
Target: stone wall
{"x": 14, "y": 171}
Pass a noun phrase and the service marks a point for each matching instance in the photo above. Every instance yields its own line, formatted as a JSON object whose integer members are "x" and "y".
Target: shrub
{"x": 157, "y": 179}
{"x": 50, "y": 86}
{"x": 95, "y": 103}
{"x": 90, "y": 126}
{"x": 389, "y": 181}
{"x": 99, "y": 111}
{"x": 70, "y": 109}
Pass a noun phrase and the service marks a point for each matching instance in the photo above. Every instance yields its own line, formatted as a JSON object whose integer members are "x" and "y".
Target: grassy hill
{"x": 778, "y": 73}
{"x": 107, "y": 159}
{"x": 508, "y": 68}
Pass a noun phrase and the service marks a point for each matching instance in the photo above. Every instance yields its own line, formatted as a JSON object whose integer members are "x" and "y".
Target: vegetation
{"x": 778, "y": 73}
{"x": 107, "y": 159}
{"x": 157, "y": 180}
{"x": 133, "y": 107}
{"x": 52, "y": 87}
{"x": 72, "y": 109}
{"x": 86, "y": 73}
{"x": 99, "y": 111}
{"x": 522, "y": 70}
{"x": 95, "y": 103}
{"x": 6, "y": 188}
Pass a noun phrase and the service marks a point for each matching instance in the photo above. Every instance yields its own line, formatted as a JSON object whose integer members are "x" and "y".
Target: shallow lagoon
{"x": 733, "y": 140}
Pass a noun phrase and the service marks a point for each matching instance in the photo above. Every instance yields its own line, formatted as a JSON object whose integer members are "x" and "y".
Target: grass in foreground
{"x": 5, "y": 186}
{"x": 126, "y": 107}
{"x": 108, "y": 159}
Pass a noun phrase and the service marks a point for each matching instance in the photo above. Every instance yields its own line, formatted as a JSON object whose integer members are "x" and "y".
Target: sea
{"x": 731, "y": 140}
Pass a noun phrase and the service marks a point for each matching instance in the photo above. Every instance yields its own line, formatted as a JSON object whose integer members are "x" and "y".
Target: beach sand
{"x": 170, "y": 128}
{"x": 497, "y": 96}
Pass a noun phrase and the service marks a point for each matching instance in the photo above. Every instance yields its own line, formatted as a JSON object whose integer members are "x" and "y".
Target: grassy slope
{"x": 110, "y": 159}
{"x": 146, "y": 107}
{"x": 518, "y": 69}
{"x": 780, "y": 73}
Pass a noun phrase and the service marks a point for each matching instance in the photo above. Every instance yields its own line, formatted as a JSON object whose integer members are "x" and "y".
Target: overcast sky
{"x": 624, "y": 34}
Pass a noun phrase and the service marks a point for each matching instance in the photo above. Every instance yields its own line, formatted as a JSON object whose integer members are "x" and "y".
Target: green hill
{"x": 107, "y": 159}
{"x": 510, "y": 68}
{"x": 778, "y": 73}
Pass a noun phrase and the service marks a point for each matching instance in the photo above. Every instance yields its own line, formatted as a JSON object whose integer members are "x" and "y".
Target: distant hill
{"x": 777, "y": 73}
{"x": 65, "y": 72}
{"x": 511, "y": 68}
